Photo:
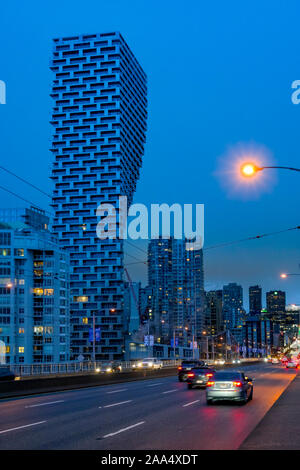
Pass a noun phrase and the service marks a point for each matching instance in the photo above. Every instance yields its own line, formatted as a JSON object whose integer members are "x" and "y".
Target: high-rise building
{"x": 255, "y": 300}
{"x": 34, "y": 295}
{"x": 214, "y": 312}
{"x": 99, "y": 118}
{"x": 276, "y": 302}
{"x": 31, "y": 216}
{"x": 233, "y": 312}
{"x": 175, "y": 275}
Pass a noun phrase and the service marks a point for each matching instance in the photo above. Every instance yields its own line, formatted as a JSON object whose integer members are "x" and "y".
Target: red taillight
{"x": 210, "y": 383}
{"x": 179, "y": 368}
{"x": 237, "y": 384}
{"x": 209, "y": 375}
{"x": 191, "y": 374}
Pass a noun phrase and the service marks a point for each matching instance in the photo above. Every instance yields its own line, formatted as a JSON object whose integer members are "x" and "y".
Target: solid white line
{"x": 153, "y": 385}
{"x": 21, "y": 427}
{"x": 170, "y": 391}
{"x": 191, "y": 403}
{"x": 124, "y": 429}
{"x": 43, "y": 404}
{"x": 115, "y": 404}
{"x": 120, "y": 390}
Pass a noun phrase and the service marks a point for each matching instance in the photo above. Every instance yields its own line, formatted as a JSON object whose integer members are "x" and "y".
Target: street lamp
{"x": 285, "y": 275}
{"x": 249, "y": 169}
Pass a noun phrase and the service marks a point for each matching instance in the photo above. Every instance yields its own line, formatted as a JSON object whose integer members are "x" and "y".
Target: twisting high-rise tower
{"x": 99, "y": 117}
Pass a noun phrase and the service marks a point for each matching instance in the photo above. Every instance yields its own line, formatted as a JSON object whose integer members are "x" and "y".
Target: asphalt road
{"x": 151, "y": 414}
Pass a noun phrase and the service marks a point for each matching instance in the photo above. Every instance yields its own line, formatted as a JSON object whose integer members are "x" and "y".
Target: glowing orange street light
{"x": 249, "y": 169}
{"x": 283, "y": 275}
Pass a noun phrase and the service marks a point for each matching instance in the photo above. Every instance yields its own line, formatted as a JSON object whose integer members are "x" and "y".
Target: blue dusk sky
{"x": 219, "y": 82}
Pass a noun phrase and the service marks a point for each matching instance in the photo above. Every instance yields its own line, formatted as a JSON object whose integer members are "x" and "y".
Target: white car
{"x": 291, "y": 365}
{"x": 220, "y": 362}
{"x": 274, "y": 360}
{"x": 148, "y": 363}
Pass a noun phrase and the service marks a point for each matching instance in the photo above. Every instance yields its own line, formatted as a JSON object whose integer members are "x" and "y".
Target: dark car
{"x": 199, "y": 376}
{"x": 186, "y": 367}
{"x": 229, "y": 386}
{"x": 6, "y": 374}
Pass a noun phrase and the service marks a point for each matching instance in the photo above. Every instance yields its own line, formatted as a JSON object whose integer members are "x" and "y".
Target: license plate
{"x": 199, "y": 381}
{"x": 224, "y": 385}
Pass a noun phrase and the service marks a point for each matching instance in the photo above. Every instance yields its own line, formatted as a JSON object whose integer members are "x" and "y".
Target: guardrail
{"x": 32, "y": 370}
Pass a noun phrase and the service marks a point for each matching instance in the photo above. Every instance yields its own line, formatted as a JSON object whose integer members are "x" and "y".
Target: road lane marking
{"x": 124, "y": 429}
{"x": 22, "y": 427}
{"x": 116, "y": 404}
{"x": 170, "y": 391}
{"x": 120, "y": 390}
{"x": 153, "y": 385}
{"x": 43, "y": 404}
{"x": 191, "y": 403}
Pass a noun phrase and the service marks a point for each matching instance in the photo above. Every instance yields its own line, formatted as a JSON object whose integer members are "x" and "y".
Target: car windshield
{"x": 231, "y": 376}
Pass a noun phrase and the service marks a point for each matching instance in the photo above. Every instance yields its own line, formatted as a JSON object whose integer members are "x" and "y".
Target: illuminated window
{"x": 21, "y": 349}
{"x": 81, "y": 298}
{"x": 48, "y": 292}
{"x": 85, "y": 320}
{"x": 7, "y": 349}
{"x": 38, "y": 291}
{"x": 21, "y": 331}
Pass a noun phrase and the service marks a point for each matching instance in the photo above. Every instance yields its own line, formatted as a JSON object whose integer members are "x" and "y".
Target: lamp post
{"x": 249, "y": 169}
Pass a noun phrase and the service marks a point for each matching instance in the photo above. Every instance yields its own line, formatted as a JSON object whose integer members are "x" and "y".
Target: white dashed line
{"x": 22, "y": 427}
{"x": 120, "y": 390}
{"x": 124, "y": 429}
{"x": 43, "y": 404}
{"x": 191, "y": 403}
{"x": 170, "y": 391}
{"x": 116, "y": 404}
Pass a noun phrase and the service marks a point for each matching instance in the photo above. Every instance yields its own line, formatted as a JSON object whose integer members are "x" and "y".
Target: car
{"x": 291, "y": 364}
{"x": 220, "y": 362}
{"x": 108, "y": 367}
{"x": 236, "y": 361}
{"x": 231, "y": 385}
{"x": 7, "y": 375}
{"x": 274, "y": 360}
{"x": 199, "y": 376}
{"x": 148, "y": 363}
{"x": 186, "y": 366}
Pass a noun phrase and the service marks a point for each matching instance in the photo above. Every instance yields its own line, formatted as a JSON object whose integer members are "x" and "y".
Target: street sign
{"x": 148, "y": 340}
{"x": 97, "y": 334}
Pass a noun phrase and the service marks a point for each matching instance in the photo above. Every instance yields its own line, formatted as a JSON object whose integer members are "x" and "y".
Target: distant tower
{"x": 233, "y": 306}
{"x": 255, "y": 303}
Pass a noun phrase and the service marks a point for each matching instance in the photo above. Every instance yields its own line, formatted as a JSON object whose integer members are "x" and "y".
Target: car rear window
{"x": 204, "y": 370}
{"x": 227, "y": 376}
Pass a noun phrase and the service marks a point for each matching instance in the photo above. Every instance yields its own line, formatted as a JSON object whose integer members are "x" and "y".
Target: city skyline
{"x": 221, "y": 114}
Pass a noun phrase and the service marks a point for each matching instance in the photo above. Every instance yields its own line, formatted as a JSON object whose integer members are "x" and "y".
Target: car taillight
{"x": 179, "y": 368}
{"x": 210, "y": 383}
{"x": 237, "y": 384}
{"x": 191, "y": 375}
{"x": 208, "y": 375}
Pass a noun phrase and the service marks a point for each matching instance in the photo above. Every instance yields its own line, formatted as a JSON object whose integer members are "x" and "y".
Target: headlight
{"x": 98, "y": 370}
{"x": 17, "y": 378}
{"x": 140, "y": 364}
{"x": 150, "y": 364}
{"x": 108, "y": 369}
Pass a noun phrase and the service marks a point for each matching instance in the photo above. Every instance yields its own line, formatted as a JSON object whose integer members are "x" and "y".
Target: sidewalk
{"x": 280, "y": 428}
